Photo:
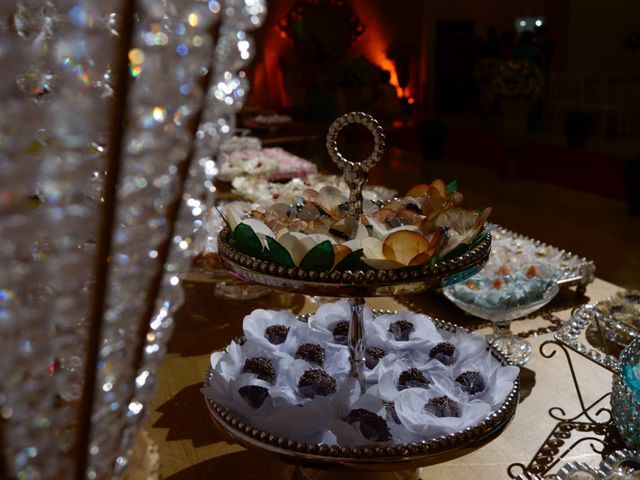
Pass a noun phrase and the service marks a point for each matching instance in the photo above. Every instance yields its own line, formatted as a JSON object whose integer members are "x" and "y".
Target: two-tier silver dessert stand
{"x": 356, "y": 285}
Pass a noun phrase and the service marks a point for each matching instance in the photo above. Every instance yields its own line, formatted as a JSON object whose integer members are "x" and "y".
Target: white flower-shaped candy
{"x": 298, "y": 244}
{"x": 271, "y": 327}
{"x": 411, "y": 409}
{"x": 405, "y": 330}
{"x": 496, "y": 379}
{"x": 336, "y": 358}
{"x": 311, "y": 423}
{"x": 329, "y": 315}
{"x": 465, "y": 345}
{"x": 396, "y": 373}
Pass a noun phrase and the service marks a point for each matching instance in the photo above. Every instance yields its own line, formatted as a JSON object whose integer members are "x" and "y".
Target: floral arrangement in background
{"x": 518, "y": 78}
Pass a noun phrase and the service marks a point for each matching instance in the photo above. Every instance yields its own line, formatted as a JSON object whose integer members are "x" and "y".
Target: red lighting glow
{"x": 375, "y": 40}
{"x": 372, "y": 38}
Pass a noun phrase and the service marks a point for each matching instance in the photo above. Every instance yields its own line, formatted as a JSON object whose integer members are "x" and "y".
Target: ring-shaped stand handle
{"x": 378, "y": 141}
{"x": 355, "y": 176}
{"x": 355, "y": 173}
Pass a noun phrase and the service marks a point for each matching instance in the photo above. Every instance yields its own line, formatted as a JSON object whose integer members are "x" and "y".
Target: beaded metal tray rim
{"x": 349, "y": 283}
{"x": 372, "y": 458}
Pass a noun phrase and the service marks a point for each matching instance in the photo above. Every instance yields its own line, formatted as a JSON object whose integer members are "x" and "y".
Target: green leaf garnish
{"x": 247, "y": 241}
{"x": 278, "y": 254}
{"x": 352, "y": 262}
{"x": 320, "y": 258}
{"x": 452, "y": 187}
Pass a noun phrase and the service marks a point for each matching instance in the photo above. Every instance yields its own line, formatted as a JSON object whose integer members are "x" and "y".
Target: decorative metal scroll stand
{"x": 355, "y": 176}
{"x": 594, "y": 418}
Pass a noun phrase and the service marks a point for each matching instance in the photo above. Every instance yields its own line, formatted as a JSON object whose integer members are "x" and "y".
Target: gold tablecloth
{"x": 192, "y": 448}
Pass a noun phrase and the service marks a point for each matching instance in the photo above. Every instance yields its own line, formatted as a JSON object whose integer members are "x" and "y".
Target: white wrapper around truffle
{"x": 414, "y": 417}
{"x": 424, "y": 334}
{"x": 329, "y": 314}
{"x": 309, "y": 423}
{"x": 229, "y": 396}
{"x": 228, "y": 365}
{"x": 498, "y": 379}
{"x": 350, "y": 434}
{"x": 372, "y": 375}
{"x": 467, "y": 345}
{"x": 297, "y": 368}
{"x": 255, "y": 324}
{"x": 336, "y": 357}
{"x": 289, "y": 413}
{"x": 392, "y": 365}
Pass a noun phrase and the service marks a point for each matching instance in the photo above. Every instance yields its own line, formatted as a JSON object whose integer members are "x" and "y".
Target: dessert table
{"x": 192, "y": 448}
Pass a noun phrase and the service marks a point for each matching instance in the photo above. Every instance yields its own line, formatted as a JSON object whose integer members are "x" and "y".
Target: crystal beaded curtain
{"x": 111, "y": 114}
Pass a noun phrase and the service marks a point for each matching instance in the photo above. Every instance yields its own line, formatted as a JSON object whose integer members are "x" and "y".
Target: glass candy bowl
{"x": 500, "y": 306}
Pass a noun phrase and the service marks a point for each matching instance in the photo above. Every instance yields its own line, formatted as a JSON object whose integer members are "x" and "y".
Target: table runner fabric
{"x": 191, "y": 447}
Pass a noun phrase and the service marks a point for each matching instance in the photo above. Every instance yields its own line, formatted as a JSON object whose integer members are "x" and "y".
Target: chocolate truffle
{"x": 373, "y": 356}
{"x": 471, "y": 382}
{"x": 412, "y": 378}
{"x": 341, "y": 332}
{"x": 401, "y": 330}
{"x": 276, "y": 334}
{"x": 443, "y": 352}
{"x": 254, "y": 395}
{"x": 260, "y": 366}
{"x": 312, "y": 353}
{"x": 443, "y": 407}
{"x": 316, "y": 382}
{"x": 372, "y": 426}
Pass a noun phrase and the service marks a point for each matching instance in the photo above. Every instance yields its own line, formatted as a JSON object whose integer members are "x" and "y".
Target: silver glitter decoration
{"x": 57, "y": 79}
{"x": 171, "y": 42}
{"x": 217, "y": 124}
{"x": 49, "y": 227}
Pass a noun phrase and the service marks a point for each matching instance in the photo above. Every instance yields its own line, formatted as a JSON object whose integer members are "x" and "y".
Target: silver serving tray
{"x": 374, "y": 457}
{"x": 371, "y": 283}
{"x": 618, "y": 465}
{"x": 572, "y": 334}
{"x": 574, "y": 270}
